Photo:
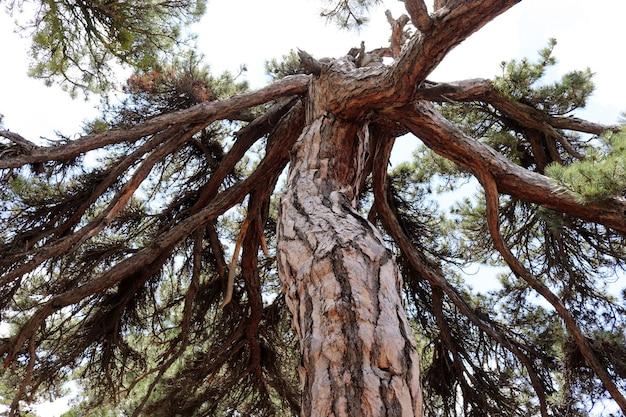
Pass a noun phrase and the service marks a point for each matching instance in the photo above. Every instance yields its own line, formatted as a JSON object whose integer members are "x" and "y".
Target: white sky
{"x": 234, "y": 32}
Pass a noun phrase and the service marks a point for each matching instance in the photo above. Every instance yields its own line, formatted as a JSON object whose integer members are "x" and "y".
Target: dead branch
{"x": 233, "y": 263}
{"x": 398, "y": 35}
{"x": 18, "y": 140}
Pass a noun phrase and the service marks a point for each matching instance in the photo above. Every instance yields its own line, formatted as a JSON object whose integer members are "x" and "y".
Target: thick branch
{"x": 204, "y": 114}
{"x": 449, "y": 141}
{"x": 397, "y": 84}
{"x": 18, "y": 140}
{"x": 433, "y": 274}
{"x": 483, "y": 90}
{"x": 424, "y": 53}
{"x": 491, "y": 196}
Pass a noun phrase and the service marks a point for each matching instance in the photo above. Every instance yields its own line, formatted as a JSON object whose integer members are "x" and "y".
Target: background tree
{"x": 80, "y": 43}
{"x": 121, "y": 248}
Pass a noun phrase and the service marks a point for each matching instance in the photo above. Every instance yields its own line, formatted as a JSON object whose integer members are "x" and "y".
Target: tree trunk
{"x": 343, "y": 287}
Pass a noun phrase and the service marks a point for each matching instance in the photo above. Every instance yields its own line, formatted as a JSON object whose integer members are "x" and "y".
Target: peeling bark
{"x": 343, "y": 285}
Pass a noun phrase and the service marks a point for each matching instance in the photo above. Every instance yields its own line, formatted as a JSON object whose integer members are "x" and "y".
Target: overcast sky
{"x": 235, "y": 32}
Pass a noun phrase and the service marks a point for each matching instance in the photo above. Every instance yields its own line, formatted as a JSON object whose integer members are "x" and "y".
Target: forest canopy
{"x": 204, "y": 248}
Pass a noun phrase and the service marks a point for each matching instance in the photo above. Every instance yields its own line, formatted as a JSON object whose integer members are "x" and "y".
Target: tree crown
{"x": 141, "y": 257}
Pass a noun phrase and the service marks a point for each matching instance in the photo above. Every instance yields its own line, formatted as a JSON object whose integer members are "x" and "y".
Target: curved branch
{"x": 375, "y": 88}
{"x": 491, "y": 196}
{"x": 483, "y": 90}
{"x": 449, "y": 141}
{"x": 434, "y": 275}
{"x": 203, "y": 114}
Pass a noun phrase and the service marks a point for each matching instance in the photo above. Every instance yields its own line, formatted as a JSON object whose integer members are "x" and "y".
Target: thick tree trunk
{"x": 342, "y": 284}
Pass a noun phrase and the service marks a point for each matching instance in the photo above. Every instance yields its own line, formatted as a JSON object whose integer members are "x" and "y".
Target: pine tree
{"x": 77, "y": 43}
{"x": 204, "y": 249}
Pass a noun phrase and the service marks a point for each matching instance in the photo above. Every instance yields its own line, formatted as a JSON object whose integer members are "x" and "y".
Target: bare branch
{"x": 398, "y": 35}
{"x": 233, "y": 263}
{"x": 309, "y": 63}
{"x": 18, "y": 139}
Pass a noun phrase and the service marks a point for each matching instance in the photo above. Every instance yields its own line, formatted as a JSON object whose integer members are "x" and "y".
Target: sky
{"x": 235, "y": 32}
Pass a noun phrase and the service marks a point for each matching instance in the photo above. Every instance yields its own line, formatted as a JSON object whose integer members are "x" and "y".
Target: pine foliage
{"x": 115, "y": 260}
{"x": 79, "y": 43}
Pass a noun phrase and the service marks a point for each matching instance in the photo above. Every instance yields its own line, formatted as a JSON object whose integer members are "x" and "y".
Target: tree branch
{"x": 483, "y": 90}
{"x": 491, "y": 196}
{"x": 398, "y": 35}
{"x": 449, "y": 141}
{"x": 203, "y": 114}
{"x": 233, "y": 263}
{"x": 18, "y": 140}
{"x": 308, "y": 63}
{"x": 433, "y": 273}
{"x": 373, "y": 88}
{"x": 419, "y": 14}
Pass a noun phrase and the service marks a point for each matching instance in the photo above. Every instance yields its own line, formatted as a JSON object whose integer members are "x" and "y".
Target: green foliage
{"x": 177, "y": 83}
{"x": 78, "y": 43}
{"x": 416, "y": 186}
{"x": 578, "y": 261}
{"x": 158, "y": 339}
{"x": 348, "y": 14}
{"x": 521, "y": 81}
{"x": 288, "y": 65}
{"x": 601, "y": 175}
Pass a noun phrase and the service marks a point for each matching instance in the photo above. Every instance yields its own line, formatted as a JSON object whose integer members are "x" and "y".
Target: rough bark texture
{"x": 341, "y": 283}
{"x": 343, "y": 286}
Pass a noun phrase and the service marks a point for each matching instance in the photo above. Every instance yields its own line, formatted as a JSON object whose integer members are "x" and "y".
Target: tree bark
{"x": 343, "y": 287}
